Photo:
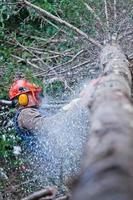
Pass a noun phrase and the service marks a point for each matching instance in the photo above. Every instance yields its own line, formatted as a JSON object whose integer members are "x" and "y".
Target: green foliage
{"x": 18, "y": 23}
{"x": 55, "y": 89}
{"x": 8, "y": 137}
{"x": 7, "y": 141}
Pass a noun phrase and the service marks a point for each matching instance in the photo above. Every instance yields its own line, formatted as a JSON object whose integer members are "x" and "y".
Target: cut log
{"x": 107, "y": 168}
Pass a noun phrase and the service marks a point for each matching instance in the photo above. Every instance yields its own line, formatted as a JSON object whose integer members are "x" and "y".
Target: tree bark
{"x": 107, "y": 168}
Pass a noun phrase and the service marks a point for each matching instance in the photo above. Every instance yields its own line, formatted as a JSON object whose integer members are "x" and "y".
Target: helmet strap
{"x": 33, "y": 94}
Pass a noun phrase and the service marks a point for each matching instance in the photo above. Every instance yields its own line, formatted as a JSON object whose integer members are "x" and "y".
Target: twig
{"x": 74, "y": 67}
{"x": 61, "y": 53}
{"x": 37, "y": 57}
{"x": 63, "y": 22}
{"x": 52, "y": 24}
{"x": 115, "y": 35}
{"x": 26, "y": 49}
{"x": 33, "y": 65}
{"x": 107, "y": 17}
{"x": 106, "y": 13}
{"x": 119, "y": 28}
{"x": 115, "y": 15}
{"x": 49, "y": 40}
{"x": 41, "y": 51}
{"x": 70, "y": 61}
{"x": 46, "y": 40}
{"x": 28, "y": 62}
{"x": 95, "y": 15}
{"x": 65, "y": 70}
{"x": 126, "y": 34}
{"x": 53, "y": 57}
{"x": 35, "y": 49}
{"x": 75, "y": 56}
{"x": 47, "y": 193}
{"x": 124, "y": 24}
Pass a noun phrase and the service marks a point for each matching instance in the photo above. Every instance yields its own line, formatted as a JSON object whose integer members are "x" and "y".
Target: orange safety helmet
{"x": 21, "y": 87}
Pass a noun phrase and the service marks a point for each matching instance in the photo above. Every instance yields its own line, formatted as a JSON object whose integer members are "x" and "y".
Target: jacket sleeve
{"x": 31, "y": 119}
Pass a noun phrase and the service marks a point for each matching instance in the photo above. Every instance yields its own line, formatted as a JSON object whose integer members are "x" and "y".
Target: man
{"x": 59, "y": 139}
{"x": 27, "y": 98}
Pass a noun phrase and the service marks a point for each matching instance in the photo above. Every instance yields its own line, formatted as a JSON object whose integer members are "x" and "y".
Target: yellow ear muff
{"x": 23, "y": 99}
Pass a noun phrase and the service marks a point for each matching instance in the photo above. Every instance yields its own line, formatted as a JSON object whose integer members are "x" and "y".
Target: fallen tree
{"x": 107, "y": 168}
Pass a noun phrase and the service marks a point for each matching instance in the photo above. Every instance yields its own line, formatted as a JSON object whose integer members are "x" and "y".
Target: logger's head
{"x": 25, "y": 94}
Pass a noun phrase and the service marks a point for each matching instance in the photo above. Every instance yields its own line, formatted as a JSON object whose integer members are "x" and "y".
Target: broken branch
{"x": 107, "y": 17}
{"x": 115, "y": 15}
{"x": 27, "y": 61}
{"x": 70, "y": 61}
{"x": 95, "y": 15}
{"x": 63, "y": 22}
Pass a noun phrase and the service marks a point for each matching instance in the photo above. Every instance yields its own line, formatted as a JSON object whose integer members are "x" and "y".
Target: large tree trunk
{"x": 107, "y": 171}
